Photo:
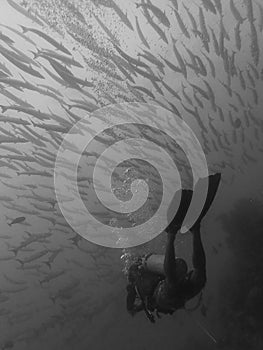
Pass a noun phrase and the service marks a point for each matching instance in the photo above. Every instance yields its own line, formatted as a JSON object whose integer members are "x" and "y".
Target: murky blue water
{"x": 59, "y": 62}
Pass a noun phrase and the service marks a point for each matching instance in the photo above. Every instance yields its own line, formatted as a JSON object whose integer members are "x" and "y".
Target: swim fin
{"x": 213, "y": 184}
{"x": 186, "y": 197}
{"x": 178, "y": 219}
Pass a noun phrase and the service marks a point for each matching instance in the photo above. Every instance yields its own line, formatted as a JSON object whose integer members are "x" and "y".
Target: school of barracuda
{"x": 202, "y": 59}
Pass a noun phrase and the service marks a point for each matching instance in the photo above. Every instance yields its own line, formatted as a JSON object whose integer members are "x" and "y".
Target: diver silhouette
{"x": 162, "y": 283}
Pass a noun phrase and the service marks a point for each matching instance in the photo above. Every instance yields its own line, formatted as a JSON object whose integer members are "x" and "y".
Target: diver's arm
{"x": 132, "y": 303}
{"x": 169, "y": 259}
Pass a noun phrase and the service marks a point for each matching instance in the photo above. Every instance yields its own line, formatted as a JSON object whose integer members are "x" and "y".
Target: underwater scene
{"x": 109, "y": 109}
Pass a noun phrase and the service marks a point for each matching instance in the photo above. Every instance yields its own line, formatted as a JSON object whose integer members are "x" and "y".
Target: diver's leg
{"x": 169, "y": 259}
{"x": 199, "y": 258}
{"x": 197, "y": 279}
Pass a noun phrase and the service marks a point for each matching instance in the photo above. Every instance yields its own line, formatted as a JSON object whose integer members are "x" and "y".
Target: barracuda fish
{"x": 60, "y": 81}
{"x": 234, "y": 107}
{"x": 255, "y": 95}
{"x": 20, "y": 56}
{"x": 89, "y": 107}
{"x": 161, "y": 16}
{"x": 44, "y": 163}
{"x": 48, "y": 218}
{"x": 218, "y": 6}
{"x": 196, "y": 115}
{"x": 17, "y": 84}
{"x": 260, "y": 25}
{"x": 232, "y": 67}
{"x": 200, "y": 90}
{"x": 66, "y": 292}
{"x": 215, "y": 42}
{"x": 181, "y": 24}
{"x": 211, "y": 65}
{"x": 32, "y": 132}
{"x": 199, "y": 102}
{"x": 158, "y": 89}
{"x": 156, "y": 28}
{"x": 36, "y": 172}
{"x": 255, "y": 71}
{"x": 16, "y": 282}
{"x": 153, "y": 59}
{"x": 51, "y": 54}
{"x": 223, "y": 35}
{"x": 250, "y": 78}
{"x": 22, "y": 66}
{"x": 192, "y": 19}
{"x": 227, "y": 87}
{"x": 130, "y": 59}
{"x": 254, "y": 47}
{"x": 14, "y": 98}
{"x": 43, "y": 207}
{"x": 172, "y": 92}
{"x": 6, "y": 39}
{"x": 14, "y": 139}
{"x": 175, "y": 4}
{"x": 235, "y": 12}
{"x": 145, "y": 90}
{"x": 24, "y": 158}
{"x": 201, "y": 67}
{"x": 51, "y": 276}
{"x": 67, "y": 75}
{"x": 17, "y": 220}
{"x": 240, "y": 100}
{"x": 52, "y": 41}
{"x": 242, "y": 80}
{"x": 32, "y": 257}
{"x": 52, "y": 257}
{"x": 140, "y": 33}
{"x": 171, "y": 65}
{"x": 237, "y": 36}
{"x": 106, "y": 30}
{"x": 24, "y": 12}
{"x": 51, "y": 127}
{"x": 250, "y": 14}
{"x": 124, "y": 18}
{"x": 226, "y": 61}
{"x": 179, "y": 58}
{"x": 3, "y": 68}
{"x": 209, "y": 6}
{"x": 12, "y": 186}
{"x": 187, "y": 98}
{"x": 211, "y": 95}
{"x": 30, "y": 111}
{"x": 147, "y": 75}
{"x": 203, "y": 26}
{"x": 12, "y": 120}
{"x": 21, "y": 35}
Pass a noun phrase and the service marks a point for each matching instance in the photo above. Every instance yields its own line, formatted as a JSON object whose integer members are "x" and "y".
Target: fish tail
{"x": 47, "y": 263}
{"x": 21, "y": 262}
{"x": 9, "y": 224}
{"x": 4, "y": 108}
{"x": 53, "y": 299}
{"x": 24, "y": 29}
{"x": 14, "y": 250}
{"x": 35, "y": 54}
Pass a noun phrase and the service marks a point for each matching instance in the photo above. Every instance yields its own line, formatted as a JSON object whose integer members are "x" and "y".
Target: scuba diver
{"x": 162, "y": 283}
